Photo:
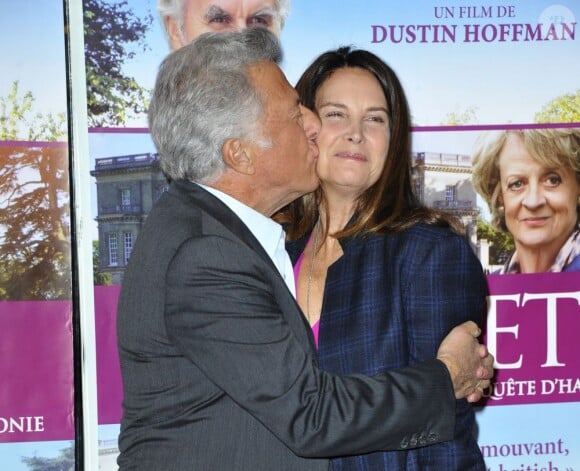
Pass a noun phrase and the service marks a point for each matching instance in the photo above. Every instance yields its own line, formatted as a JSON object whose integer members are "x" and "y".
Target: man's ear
{"x": 174, "y": 33}
{"x": 237, "y": 156}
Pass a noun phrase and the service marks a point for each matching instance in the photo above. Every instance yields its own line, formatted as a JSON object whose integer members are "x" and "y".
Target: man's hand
{"x": 469, "y": 363}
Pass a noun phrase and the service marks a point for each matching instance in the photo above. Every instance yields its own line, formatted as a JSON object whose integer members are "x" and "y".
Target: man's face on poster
{"x": 203, "y": 16}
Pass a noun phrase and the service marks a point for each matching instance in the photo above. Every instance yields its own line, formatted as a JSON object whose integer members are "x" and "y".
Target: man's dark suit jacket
{"x": 218, "y": 363}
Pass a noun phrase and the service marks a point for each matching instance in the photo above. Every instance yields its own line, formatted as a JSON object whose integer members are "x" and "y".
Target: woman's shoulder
{"x": 426, "y": 233}
{"x": 429, "y": 230}
{"x": 417, "y": 239}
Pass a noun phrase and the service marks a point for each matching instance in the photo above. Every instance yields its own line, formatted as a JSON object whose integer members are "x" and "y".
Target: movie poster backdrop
{"x": 466, "y": 69}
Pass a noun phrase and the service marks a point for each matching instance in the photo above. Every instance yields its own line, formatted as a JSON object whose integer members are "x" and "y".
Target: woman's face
{"x": 540, "y": 203}
{"x": 354, "y": 137}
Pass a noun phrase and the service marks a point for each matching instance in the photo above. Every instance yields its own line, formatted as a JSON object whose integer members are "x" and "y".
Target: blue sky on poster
{"x": 11, "y": 454}
{"x": 504, "y": 82}
{"x": 33, "y": 52}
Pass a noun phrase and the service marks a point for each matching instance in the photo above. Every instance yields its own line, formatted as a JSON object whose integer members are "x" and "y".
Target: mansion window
{"x": 128, "y": 245}
{"x": 125, "y": 198}
{"x": 450, "y": 193}
{"x": 113, "y": 249}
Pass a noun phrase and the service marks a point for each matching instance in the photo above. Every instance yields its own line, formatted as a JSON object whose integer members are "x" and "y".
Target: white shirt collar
{"x": 268, "y": 232}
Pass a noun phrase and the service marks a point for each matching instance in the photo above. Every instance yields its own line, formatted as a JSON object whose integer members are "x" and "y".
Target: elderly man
{"x": 185, "y": 20}
{"x": 218, "y": 362}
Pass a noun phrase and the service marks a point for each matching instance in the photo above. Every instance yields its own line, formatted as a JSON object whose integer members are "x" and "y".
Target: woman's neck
{"x": 339, "y": 209}
{"x": 533, "y": 260}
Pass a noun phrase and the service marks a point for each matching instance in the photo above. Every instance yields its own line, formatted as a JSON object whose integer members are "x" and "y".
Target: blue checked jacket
{"x": 388, "y": 303}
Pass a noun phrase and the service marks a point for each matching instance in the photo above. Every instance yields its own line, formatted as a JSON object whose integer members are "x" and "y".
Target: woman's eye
{"x": 377, "y": 119}
{"x": 554, "y": 180}
{"x": 515, "y": 185}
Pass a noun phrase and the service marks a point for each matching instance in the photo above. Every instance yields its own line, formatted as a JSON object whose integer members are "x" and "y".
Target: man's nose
{"x": 239, "y": 24}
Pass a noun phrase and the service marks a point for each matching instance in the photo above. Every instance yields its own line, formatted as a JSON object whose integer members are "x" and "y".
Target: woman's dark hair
{"x": 390, "y": 205}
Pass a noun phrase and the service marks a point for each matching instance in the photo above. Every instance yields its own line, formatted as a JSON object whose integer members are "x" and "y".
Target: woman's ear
{"x": 237, "y": 156}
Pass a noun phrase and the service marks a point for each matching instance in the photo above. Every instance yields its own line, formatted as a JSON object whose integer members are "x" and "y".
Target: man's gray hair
{"x": 175, "y": 9}
{"x": 203, "y": 96}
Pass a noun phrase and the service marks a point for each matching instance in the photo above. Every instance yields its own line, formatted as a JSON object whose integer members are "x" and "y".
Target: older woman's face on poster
{"x": 540, "y": 203}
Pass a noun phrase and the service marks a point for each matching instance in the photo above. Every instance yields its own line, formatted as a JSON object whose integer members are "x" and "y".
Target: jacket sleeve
{"x": 223, "y": 316}
{"x": 446, "y": 288}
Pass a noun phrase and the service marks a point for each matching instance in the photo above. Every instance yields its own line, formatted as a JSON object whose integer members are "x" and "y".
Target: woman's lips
{"x": 351, "y": 156}
{"x": 535, "y": 221}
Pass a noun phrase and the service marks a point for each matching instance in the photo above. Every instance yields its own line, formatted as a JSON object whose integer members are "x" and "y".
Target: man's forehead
{"x": 248, "y": 7}
{"x": 270, "y": 79}
{"x": 267, "y": 70}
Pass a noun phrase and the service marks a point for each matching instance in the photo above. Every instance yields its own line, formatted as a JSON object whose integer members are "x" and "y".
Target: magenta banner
{"x": 109, "y": 387}
{"x": 532, "y": 324}
{"x": 36, "y": 367}
{"x": 532, "y": 327}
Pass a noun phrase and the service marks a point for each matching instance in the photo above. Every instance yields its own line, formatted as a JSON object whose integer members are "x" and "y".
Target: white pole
{"x": 82, "y": 238}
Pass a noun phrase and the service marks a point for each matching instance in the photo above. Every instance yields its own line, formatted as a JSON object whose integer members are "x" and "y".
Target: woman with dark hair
{"x": 380, "y": 277}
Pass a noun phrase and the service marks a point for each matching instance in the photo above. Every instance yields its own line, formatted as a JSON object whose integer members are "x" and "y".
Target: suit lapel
{"x": 218, "y": 210}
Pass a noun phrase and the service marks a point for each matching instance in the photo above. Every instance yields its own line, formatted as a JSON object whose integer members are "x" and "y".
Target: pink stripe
{"x": 118, "y": 130}
{"x": 493, "y": 127}
{"x": 33, "y": 144}
{"x": 36, "y": 367}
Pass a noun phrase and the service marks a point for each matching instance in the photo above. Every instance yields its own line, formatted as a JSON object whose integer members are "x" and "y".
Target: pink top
{"x": 296, "y": 271}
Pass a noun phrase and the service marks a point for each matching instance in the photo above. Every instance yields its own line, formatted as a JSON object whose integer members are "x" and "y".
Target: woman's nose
{"x": 354, "y": 133}
{"x": 534, "y": 196}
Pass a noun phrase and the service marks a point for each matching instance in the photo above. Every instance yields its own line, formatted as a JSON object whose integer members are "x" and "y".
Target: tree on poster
{"x": 34, "y": 203}
{"x": 562, "y": 109}
{"x": 64, "y": 462}
{"x": 113, "y": 36}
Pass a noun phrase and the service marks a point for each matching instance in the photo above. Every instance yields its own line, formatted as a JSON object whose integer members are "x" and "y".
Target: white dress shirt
{"x": 268, "y": 232}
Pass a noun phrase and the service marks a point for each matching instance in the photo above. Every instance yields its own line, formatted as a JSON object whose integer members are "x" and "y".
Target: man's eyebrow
{"x": 213, "y": 12}
{"x": 266, "y": 11}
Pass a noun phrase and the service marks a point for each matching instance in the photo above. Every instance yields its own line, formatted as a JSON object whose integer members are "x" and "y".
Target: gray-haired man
{"x": 184, "y": 20}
